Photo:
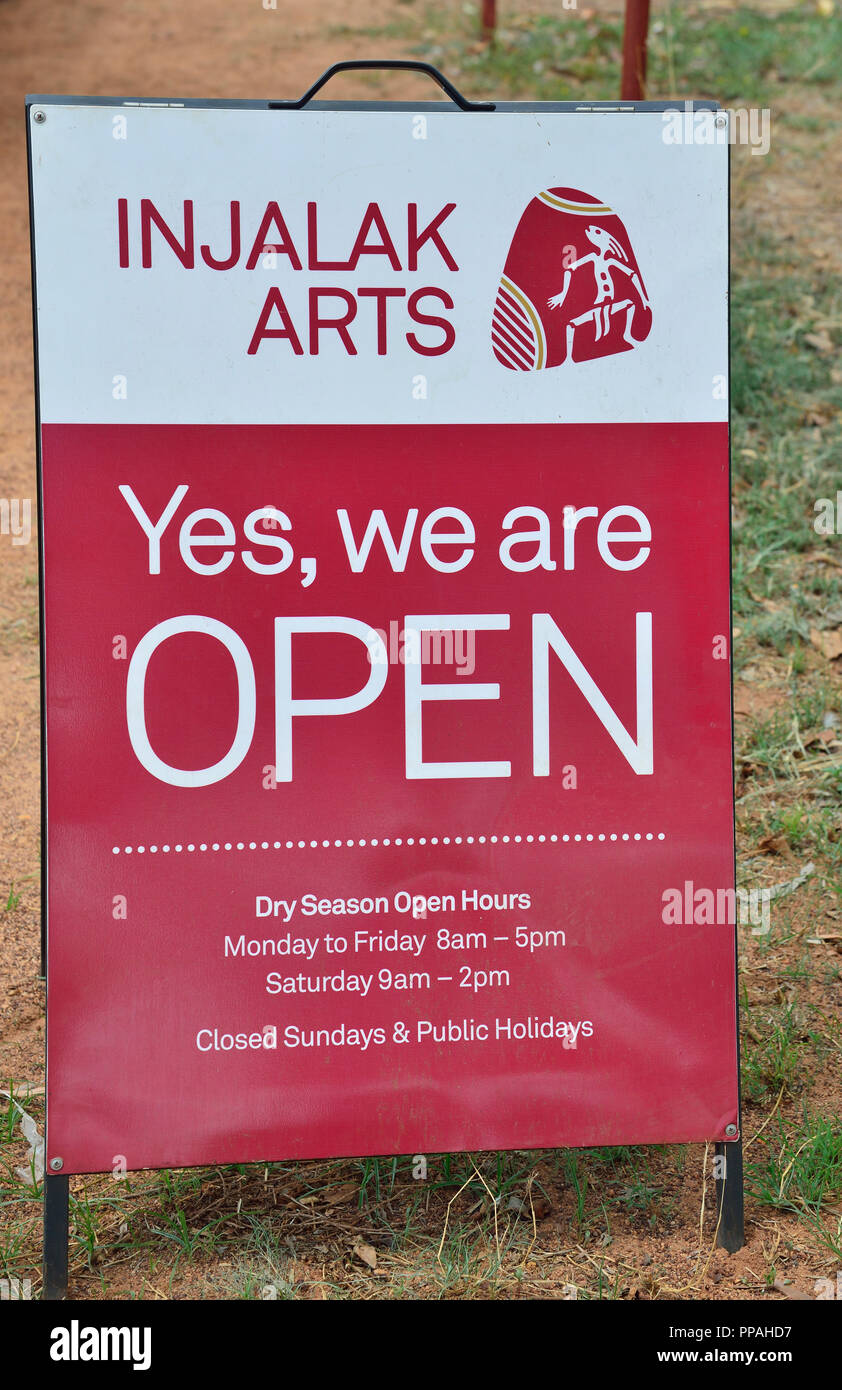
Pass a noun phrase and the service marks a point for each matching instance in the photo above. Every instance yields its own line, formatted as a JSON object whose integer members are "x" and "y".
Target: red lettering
{"x": 416, "y": 239}
{"x": 374, "y": 218}
{"x": 313, "y": 244}
{"x": 274, "y": 300}
{"x": 381, "y": 295}
{"x": 444, "y": 324}
{"x": 123, "y": 230}
{"x": 340, "y": 324}
{"x": 285, "y": 246}
{"x": 235, "y": 245}
{"x": 149, "y": 214}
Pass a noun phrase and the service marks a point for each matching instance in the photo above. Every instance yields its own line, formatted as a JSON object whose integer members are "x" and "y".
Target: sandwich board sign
{"x": 384, "y": 488}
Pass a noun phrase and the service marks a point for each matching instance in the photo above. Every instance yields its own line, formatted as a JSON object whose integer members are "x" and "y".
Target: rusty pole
{"x": 489, "y": 19}
{"x": 634, "y": 50}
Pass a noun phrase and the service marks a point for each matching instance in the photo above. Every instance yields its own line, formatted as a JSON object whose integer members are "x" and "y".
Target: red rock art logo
{"x": 571, "y": 288}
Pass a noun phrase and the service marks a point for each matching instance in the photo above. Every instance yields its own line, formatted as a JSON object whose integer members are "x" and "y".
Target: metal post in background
{"x": 635, "y": 31}
{"x": 488, "y": 20}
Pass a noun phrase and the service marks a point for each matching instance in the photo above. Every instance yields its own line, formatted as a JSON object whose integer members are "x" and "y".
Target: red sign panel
{"x": 350, "y": 942}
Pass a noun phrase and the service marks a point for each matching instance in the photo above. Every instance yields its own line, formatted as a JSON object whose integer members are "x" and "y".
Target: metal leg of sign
{"x": 729, "y": 1196}
{"x": 56, "y": 1236}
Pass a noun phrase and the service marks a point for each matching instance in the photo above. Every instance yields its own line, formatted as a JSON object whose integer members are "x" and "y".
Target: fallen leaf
{"x": 828, "y": 643}
{"x": 779, "y": 889}
{"x": 337, "y": 1195}
{"x": 822, "y": 736}
{"x": 367, "y": 1254}
{"x": 33, "y": 1172}
{"x": 756, "y": 701}
{"x": 821, "y": 341}
{"x": 774, "y": 844}
{"x": 790, "y": 1292}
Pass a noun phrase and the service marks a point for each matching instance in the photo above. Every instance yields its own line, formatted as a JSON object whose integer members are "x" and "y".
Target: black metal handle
{"x": 395, "y": 64}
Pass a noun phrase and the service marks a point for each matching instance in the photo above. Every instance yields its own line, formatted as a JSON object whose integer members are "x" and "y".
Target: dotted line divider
{"x": 607, "y": 838}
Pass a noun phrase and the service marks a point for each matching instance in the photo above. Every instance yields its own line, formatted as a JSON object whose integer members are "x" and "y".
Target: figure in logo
{"x": 608, "y": 256}
{"x": 601, "y": 307}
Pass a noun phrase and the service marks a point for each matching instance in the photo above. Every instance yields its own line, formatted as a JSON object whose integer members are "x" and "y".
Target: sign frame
{"x": 730, "y": 1226}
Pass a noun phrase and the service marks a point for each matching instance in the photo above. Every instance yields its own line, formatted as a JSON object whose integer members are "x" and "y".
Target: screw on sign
{"x": 571, "y": 288}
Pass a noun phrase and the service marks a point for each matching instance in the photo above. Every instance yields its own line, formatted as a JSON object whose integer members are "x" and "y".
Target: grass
{"x": 773, "y": 1064}
{"x": 264, "y": 1270}
{"x": 803, "y": 1174}
{"x": 736, "y": 56}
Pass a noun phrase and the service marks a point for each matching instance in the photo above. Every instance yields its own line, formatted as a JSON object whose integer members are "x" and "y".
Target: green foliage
{"x": 804, "y": 1171}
